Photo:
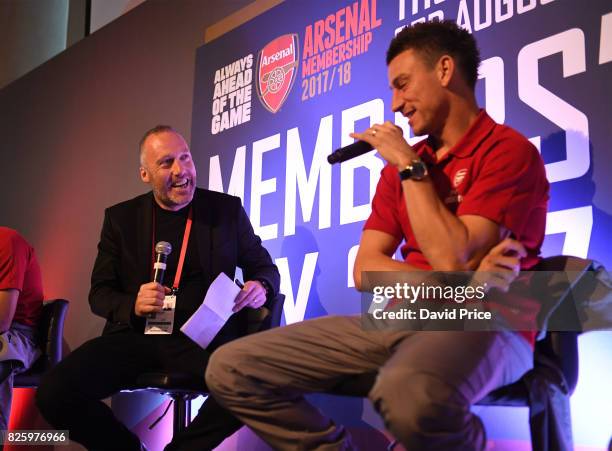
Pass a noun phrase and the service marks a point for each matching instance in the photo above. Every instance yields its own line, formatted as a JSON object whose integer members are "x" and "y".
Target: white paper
{"x": 214, "y": 312}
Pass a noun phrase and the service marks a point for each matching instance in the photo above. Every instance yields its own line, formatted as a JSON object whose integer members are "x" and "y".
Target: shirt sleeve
{"x": 13, "y": 261}
{"x": 385, "y": 215}
{"x": 510, "y": 183}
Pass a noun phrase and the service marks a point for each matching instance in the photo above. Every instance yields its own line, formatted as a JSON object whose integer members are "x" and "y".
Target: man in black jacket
{"x": 210, "y": 233}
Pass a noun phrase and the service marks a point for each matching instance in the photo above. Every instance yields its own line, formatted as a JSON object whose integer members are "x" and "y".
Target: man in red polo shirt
{"x": 452, "y": 198}
{"x": 21, "y": 297}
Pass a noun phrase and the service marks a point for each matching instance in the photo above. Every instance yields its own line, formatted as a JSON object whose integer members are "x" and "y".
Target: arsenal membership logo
{"x": 277, "y": 66}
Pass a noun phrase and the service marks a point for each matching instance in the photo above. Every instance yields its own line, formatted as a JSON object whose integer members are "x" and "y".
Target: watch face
{"x": 419, "y": 170}
{"x": 416, "y": 171}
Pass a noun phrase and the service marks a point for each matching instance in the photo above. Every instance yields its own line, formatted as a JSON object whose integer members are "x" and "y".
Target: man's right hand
{"x": 150, "y": 298}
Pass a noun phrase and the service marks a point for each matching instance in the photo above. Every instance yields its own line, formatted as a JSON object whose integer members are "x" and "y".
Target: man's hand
{"x": 252, "y": 295}
{"x": 150, "y": 298}
{"x": 389, "y": 140}
{"x": 8, "y": 305}
{"x": 501, "y": 265}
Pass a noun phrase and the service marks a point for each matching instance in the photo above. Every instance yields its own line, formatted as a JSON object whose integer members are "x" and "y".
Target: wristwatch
{"x": 416, "y": 170}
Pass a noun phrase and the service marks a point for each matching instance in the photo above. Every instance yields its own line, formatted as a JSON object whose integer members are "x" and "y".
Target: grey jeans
{"x": 22, "y": 352}
{"x": 426, "y": 381}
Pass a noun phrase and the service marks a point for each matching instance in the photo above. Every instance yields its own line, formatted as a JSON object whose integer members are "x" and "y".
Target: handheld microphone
{"x": 162, "y": 250}
{"x": 348, "y": 152}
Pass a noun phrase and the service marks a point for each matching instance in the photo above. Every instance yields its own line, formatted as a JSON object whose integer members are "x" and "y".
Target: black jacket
{"x": 225, "y": 240}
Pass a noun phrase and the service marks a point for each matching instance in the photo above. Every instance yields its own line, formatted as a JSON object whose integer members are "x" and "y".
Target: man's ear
{"x": 144, "y": 175}
{"x": 445, "y": 69}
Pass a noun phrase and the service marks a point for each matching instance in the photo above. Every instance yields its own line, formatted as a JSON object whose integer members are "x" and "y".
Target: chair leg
{"x": 181, "y": 408}
{"x": 182, "y": 413}
{"x": 187, "y": 411}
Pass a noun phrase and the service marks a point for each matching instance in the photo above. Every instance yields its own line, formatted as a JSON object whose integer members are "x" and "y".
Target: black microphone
{"x": 162, "y": 250}
{"x": 348, "y": 152}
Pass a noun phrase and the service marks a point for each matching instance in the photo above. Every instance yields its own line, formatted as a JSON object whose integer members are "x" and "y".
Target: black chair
{"x": 547, "y": 387}
{"x": 50, "y": 332}
{"x": 182, "y": 388}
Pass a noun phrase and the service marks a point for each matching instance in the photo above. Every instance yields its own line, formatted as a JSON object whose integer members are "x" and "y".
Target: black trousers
{"x": 70, "y": 396}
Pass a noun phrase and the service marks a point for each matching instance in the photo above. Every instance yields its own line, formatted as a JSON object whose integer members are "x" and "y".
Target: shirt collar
{"x": 467, "y": 145}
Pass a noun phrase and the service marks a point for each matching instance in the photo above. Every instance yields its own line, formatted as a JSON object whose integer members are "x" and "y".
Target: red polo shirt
{"x": 494, "y": 172}
{"x": 19, "y": 270}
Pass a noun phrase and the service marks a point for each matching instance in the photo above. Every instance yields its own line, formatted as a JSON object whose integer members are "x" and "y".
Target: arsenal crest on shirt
{"x": 277, "y": 65}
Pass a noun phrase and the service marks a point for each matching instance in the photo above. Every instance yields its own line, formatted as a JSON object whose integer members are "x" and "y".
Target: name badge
{"x": 162, "y": 323}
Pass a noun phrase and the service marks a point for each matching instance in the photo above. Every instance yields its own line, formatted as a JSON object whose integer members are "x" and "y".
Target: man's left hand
{"x": 388, "y": 140}
{"x": 501, "y": 266}
{"x": 252, "y": 295}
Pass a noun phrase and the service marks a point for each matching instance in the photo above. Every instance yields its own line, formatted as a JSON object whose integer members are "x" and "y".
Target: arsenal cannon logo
{"x": 277, "y": 66}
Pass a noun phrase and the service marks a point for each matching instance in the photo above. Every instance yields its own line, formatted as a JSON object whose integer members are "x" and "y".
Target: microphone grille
{"x": 163, "y": 247}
